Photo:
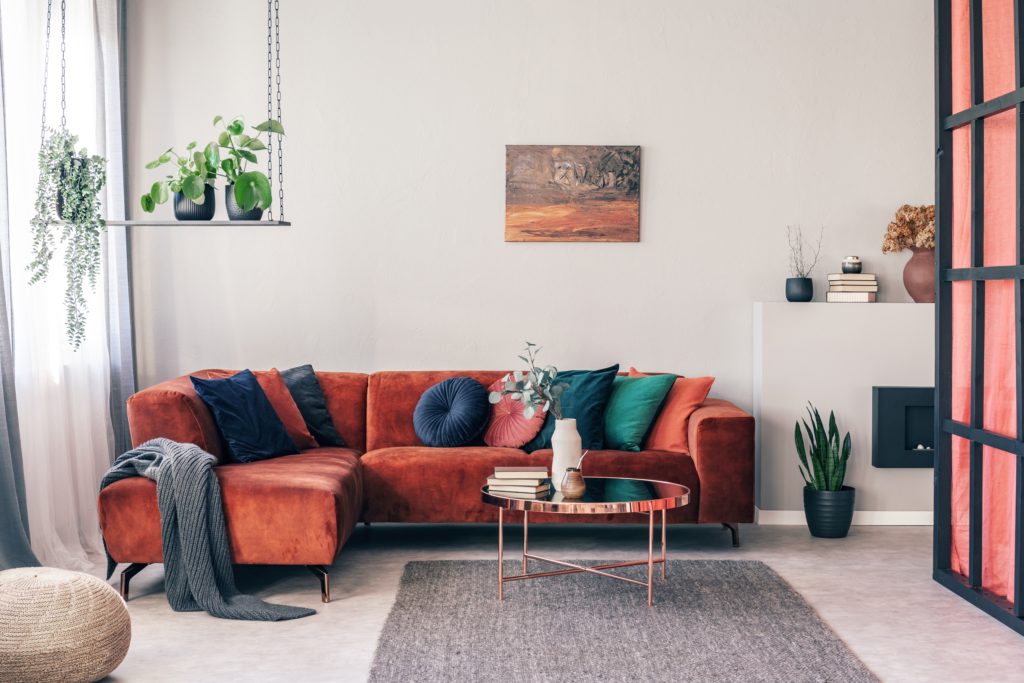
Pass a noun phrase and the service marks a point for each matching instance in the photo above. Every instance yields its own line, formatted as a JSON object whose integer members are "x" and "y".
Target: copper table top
{"x": 662, "y": 495}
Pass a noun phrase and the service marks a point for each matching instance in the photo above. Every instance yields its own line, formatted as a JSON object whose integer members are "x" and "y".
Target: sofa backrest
{"x": 392, "y": 397}
{"x": 173, "y": 410}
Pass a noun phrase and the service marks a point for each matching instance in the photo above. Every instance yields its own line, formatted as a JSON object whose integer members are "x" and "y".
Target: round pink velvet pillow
{"x": 509, "y": 428}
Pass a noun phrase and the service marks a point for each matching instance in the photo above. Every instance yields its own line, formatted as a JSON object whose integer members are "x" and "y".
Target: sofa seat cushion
{"x": 442, "y": 485}
{"x": 421, "y": 484}
{"x": 296, "y": 509}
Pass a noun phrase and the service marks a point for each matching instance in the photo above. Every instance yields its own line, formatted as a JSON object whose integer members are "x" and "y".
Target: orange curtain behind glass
{"x": 999, "y": 215}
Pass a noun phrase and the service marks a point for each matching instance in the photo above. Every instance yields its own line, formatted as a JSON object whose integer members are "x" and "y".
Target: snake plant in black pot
{"x": 828, "y": 505}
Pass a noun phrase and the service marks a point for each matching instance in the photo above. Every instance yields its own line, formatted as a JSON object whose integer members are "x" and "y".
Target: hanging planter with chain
{"x": 248, "y": 192}
{"x": 67, "y": 204}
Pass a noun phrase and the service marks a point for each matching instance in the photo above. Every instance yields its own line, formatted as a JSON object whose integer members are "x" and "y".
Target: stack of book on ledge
{"x": 852, "y": 288}
{"x": 519, "y": 482}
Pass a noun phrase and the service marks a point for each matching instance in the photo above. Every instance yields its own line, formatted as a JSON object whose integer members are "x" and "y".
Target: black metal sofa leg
{"x": 735, "y": 530}
{"x": 321, "y": 573}
{"x": 126, "y": 577}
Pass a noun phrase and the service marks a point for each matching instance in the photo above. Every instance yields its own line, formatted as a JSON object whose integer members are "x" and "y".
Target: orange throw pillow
{"x": 284, "y": 405}
{"x": 670, "y": 428}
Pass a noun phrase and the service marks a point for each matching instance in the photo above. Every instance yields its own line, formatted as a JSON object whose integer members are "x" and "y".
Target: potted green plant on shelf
{"x": 828, "y": 504}
{"x": 192, "y": 182}
{"x": 247, "y": 194}
{"x": 68, "y": 190}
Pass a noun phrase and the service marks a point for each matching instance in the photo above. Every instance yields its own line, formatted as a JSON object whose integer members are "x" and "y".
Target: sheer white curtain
{"x": 64, "y": 396}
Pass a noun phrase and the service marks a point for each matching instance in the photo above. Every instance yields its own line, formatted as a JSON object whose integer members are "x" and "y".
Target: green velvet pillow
{"x": 631, "y": 409}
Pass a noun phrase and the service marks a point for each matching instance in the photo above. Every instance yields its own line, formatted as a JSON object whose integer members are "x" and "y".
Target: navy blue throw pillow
{"x": 309, "y": 397}
{"x": 584, "y": 399}
{"x": 247, "y": 422}
{"x": 452, "y": 413}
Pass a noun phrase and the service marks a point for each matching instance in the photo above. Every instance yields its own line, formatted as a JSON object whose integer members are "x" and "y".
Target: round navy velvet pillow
{"x": 452, "y": 413}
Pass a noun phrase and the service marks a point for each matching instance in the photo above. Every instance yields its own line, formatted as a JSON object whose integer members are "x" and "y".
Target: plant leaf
{"x": 147, "y": 203}
{"x": 158, "y": 193}
{"x": 236, "y": 127}
{"x": 252, "y": 189}
{"x": 275, "y": 127}
{"x": 212, "y": 154}
{"x": 217, "y": 119}
{"x": 194, "y": 188}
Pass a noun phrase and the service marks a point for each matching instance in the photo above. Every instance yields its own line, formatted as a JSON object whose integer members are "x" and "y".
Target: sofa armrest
{"x": 173, "y": 410}
{"x": 721, "y": 438}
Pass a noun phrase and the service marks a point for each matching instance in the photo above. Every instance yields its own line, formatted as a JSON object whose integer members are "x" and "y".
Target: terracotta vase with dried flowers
{"x": 913, "y": 228}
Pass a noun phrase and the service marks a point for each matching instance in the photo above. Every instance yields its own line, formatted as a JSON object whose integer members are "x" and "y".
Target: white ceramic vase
{"x": 567, "y": 446}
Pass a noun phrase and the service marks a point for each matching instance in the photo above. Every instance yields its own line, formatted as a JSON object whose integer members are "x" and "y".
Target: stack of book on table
{"x": 519, "y": 482}
{"x": 852, "y": 288}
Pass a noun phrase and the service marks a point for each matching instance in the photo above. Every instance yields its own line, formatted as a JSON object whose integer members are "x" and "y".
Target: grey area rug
{"x": 712, "y": 620}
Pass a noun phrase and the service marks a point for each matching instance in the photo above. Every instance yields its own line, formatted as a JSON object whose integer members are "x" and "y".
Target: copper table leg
{"x": 664, "y": 545}
{"x": 650, "y": 558}
{"x": 501, "y": 553}
{"x": 526, "y": 541}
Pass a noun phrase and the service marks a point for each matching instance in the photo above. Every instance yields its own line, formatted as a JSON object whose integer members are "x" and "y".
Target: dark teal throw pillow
{"x": 584, "y": 399}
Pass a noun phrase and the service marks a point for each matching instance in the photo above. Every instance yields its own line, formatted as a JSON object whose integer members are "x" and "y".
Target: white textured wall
{"x": 752, "y": 115}
{"x": 832, "y": 355}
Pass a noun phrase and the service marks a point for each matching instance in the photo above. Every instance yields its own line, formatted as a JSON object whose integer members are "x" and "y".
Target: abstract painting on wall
{"x": 572, "y": 193}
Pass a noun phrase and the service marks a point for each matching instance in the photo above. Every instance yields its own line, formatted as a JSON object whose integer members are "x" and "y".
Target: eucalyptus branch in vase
{"x": 535, "y": 388}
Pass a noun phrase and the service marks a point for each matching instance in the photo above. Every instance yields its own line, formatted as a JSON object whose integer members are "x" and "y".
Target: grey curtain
{"x": 15, "y": 550}
{"x": 109, "y": 18}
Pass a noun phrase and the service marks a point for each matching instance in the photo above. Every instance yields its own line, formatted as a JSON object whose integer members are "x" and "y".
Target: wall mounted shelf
{"x": 273, "y": 224}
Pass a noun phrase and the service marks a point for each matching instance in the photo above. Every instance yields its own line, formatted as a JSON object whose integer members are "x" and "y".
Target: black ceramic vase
{"x": 235, "y": 212}
{"x": 829, "y": 513}
{"x": 187, "y": 210}
{"x": 799, "y": 289}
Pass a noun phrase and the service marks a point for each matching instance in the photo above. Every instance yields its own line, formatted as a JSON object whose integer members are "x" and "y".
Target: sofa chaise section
{"x": 296, "y": 509}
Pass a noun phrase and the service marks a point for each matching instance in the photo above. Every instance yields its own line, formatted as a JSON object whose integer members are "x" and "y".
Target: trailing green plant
{"x": 251, "y": 188}
{"x": 67, "y": 195}
{"x": 193, "y": 171}
{"x": 536, "y": 388}
{"x": 823, "y": 461}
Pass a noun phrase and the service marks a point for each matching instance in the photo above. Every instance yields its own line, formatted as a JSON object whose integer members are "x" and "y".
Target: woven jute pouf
{"x": 57, "y": 625}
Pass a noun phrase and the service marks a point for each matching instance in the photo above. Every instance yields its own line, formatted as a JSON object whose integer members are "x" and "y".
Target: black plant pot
{"x": 187, "y": 210}
{"x": 75, "y": 161}
{"x": 799, "y": 289}
{"x": 829, "y": 513}
{"x": 235, "y": 212}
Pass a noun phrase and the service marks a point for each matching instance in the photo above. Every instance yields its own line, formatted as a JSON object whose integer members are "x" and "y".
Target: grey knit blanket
{"x": 197, "y": 558}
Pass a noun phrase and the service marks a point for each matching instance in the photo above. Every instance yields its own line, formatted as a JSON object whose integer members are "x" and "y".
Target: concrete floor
{"x": 873, "y": 588}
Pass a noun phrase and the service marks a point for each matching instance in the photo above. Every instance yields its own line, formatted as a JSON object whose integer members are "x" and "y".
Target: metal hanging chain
{"x": 280, "y": 145}
{"x": 46, "y": 69}
{"x": 63, "y": 66}
{"x": 270, "y": 101}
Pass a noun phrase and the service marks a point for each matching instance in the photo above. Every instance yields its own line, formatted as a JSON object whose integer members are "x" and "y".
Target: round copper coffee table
{"x": 605, "y": 495}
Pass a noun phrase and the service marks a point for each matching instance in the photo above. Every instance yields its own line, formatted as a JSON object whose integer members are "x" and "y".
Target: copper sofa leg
{"x": 321, "y": 573}
{"x": 735, "y": 530}
{"x": 126, "y": 577}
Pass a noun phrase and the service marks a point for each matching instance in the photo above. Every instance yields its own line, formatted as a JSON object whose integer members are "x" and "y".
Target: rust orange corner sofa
{"x": 301, "y": 509}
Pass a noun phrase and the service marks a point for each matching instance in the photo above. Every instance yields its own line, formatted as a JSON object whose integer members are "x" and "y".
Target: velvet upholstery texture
{"x": 296, "y": 509}
{"x": 392, "y": 398}
{"x": 346, "y": 402}
{"x": 173, "y": 409}
{"x": 721, "y": 438}
{"x": 423, "y": 484}
{"x": 452, "y": 413}
{"x": 245, "y": 417}
{"x": 273, "y": 385}
{"x": 309, "y": 398}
